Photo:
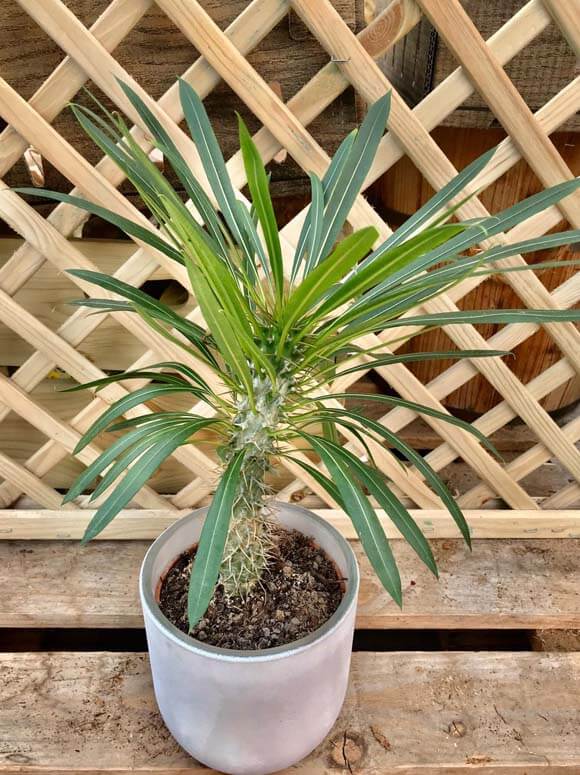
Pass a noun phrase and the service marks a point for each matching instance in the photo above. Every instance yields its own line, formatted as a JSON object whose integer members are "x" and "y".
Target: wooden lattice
{"x": 352, "y": 63}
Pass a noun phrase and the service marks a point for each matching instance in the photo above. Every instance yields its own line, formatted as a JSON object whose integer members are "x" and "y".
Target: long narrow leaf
{"x": 148, "y": 393}
{"x": 332, "y": 269}
{"x": 414, "y": 407}
{"x": 420, "y": 464}
{"x": 392, "y": 507}
{"x": 389, "y": 360}
{"x": 210, "y": 549}
{"x": 133, "y": 229}
{"x": 364, "y": 519}
{"x": 259, "y": 189}
{"x": 328, "y": 181}
{"x": 313, "y": 244}
{"x": 199, "y": 198}
{"x": 134, "y": 480}
{"x": 339, "y": 200}
{"x": 213, "y": 161}
{"x": 482, "y": 316}
{"x": 437, "y": 202}
{"x": 222, "y": 330}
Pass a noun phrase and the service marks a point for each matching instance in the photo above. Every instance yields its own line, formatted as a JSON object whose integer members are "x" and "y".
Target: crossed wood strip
{"x": 195, "y": 486}
{"x": 52, "y": 97}
{"x": 284, "y": 126}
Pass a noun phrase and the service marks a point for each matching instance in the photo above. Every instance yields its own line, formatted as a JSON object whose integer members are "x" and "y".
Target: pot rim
{"x": 256, "y": 655}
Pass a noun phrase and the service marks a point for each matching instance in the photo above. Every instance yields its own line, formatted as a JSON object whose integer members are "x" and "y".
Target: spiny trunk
{"x": 249, "y": 539}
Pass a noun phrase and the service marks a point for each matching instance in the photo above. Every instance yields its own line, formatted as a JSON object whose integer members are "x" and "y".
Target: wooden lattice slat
{"x": 284, "y": 125}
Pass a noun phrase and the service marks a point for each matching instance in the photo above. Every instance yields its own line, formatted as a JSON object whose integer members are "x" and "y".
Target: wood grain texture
{"x": 227, "y": 53}
{"x": 526, "y": 583}
{"x": 503, "y": 98}
{"x": 47, "y": 294}
{"x": 543, "y": 68}
{"x": 566, "y": 14}
{"x": 411, "y": 134}
{"x": 403, "y": 189}
{"x": 95, "y": 713}
{"x": 138, "y": 31}
{"x": 38, "y": 524}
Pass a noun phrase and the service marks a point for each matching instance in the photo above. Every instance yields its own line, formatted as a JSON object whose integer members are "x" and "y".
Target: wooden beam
{"x": 414, "y": 714}
{"x": 45, "y": 524}
{"x": 566, "y": 14}
{"x": 502, "y": 584}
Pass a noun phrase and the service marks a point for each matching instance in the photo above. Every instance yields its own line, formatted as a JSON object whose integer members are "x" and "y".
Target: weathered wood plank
{"x": 420, "y": 713}
{"x": 531, "y": 584}
{"x": 39, "y": 524}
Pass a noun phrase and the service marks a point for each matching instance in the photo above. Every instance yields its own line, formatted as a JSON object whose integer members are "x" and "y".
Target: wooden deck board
{"x": 531, "y": 583}
{"x": 515, "y": 712}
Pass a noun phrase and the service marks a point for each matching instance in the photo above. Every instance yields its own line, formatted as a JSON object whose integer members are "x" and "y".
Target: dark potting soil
{"x": 300, "y": 589}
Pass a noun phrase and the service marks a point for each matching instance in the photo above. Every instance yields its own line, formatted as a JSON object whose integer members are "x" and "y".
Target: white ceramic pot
{"x": 249, "y": 712}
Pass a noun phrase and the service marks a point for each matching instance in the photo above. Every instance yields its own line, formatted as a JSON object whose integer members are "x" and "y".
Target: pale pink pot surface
{"x": 250, "y": 712}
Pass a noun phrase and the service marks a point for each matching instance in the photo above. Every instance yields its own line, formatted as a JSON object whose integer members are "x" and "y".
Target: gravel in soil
{"x": 300, "y": 589}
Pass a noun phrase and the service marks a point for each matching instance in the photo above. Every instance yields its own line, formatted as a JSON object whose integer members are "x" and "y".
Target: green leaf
{"x": 262, "y": 202}
{"x": 527, "y": 246}
{"x": 223, "y": 332}
{"x": 414, "y": 407}
{"x": 420, "y": 464}
{"x": 147, "y": 393}
{"x": 334, "y": 170}
{"x": 158, "y": 418}
{"x": 127, "y": 375}
{"x": 213, "y": 162}
{"x": 162, "y": 140}
{"x": 205, "y": 571}
{"x": 103, "y": 305}
{"x": 399, "y": 516}
{"x": 436, "y": 203}
{"x": 389, "y": 360}
{"x": 480, "y": 317}
{"x": 90, "y": 473}
{"x": 194, "y": 333}
{"x": 155, "y": 432}
{"x": 250, "y": 269}
{"x": 313, "y": 243}
{"x": 495, "y": 224}
{"x": 371, "y": 273}
{"x": 340, "y": 197}
{"x": 134, "y": 480}
{"x": 393, "y": 508}
{"x": 346, "y": 255}
{"x": 364, "y": 519}
{"x": 133, "y": 229}
{"x": 319, "y": 477}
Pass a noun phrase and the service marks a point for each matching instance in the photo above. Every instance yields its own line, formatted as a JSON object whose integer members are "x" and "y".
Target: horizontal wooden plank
{"x": 410, "y": 713}
{"x": 42, "y": 524}
{"x": 530, "y": 584}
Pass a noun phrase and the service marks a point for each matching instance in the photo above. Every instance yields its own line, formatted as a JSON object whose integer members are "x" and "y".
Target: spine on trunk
{"x": 249, "y": 539}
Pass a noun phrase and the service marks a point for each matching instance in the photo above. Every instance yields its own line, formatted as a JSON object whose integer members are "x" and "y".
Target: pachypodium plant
{"x": 282, "y": 322}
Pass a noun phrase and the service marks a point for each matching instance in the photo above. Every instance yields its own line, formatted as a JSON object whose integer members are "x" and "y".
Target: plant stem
{"x": 249, "y": 539}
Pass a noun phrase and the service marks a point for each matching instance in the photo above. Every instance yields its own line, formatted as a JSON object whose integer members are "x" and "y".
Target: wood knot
{"x": 347, "y": 751}
{"x": 457, "y": 729}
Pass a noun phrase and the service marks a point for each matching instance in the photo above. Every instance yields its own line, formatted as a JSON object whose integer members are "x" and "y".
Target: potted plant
{"x": 249, "y": 605}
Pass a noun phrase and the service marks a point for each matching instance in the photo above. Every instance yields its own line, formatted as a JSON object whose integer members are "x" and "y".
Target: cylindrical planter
{"x": 249, "y": 712}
